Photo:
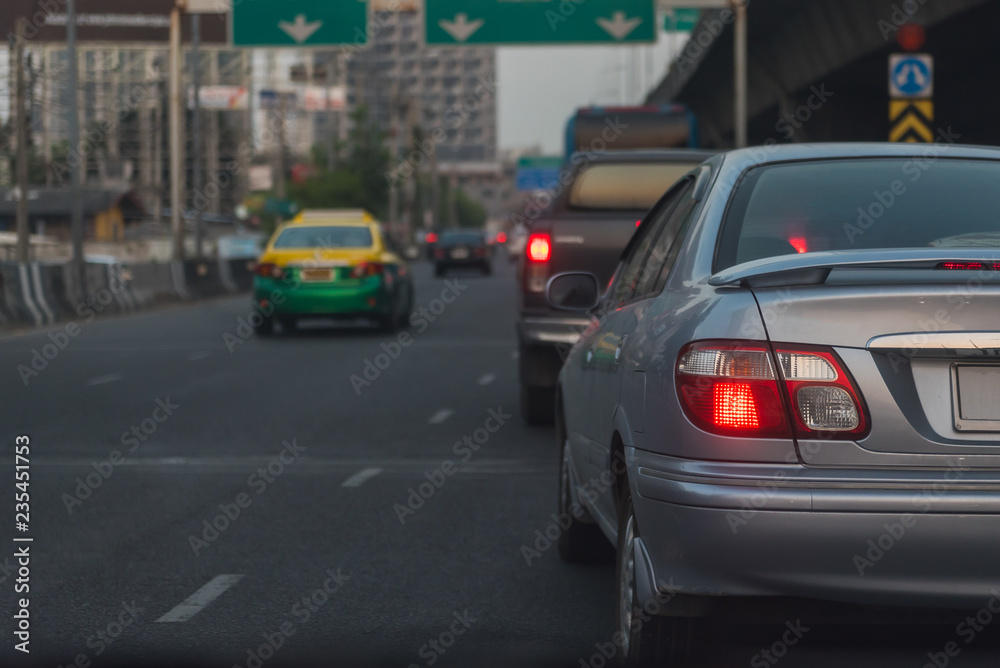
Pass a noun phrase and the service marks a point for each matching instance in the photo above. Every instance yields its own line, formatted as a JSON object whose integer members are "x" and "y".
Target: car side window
{"x": 630, "y": 272}
{"x": 662, "y": 254}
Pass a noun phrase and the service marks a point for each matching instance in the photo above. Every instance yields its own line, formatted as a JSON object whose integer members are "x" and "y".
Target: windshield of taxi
{"x": 339, "y": 236}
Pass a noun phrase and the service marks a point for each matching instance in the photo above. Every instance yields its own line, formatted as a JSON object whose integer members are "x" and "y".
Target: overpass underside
{"x": 818, "y": 70}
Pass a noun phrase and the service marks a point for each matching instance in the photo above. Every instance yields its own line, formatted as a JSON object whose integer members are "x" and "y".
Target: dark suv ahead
{"x": 585, "y": 229}
{"x": 462, "y": 248}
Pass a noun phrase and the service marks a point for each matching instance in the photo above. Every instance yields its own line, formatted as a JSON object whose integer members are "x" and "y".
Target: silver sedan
{"x": 791, "y": 389}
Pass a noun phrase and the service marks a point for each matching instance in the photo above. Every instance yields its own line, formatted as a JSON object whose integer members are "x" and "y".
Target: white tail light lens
{"x": 800, "y": 366}
{"x": 827, "y": 408}
{"x": 749, "y": 364}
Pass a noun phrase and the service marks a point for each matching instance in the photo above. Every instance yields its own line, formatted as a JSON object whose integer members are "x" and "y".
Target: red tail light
{"x": 970, "y": 266}
{"x": 367, "y": 269}
{"x": 539, "y": 247}
{"x": 800, "y": 244}
{"x": 501, "y": 237}
{"x": 439, "y": 253}
{"x": 431, "y": 238}
{"x": 735, "y": 388}
{"x": 269, "y": 270}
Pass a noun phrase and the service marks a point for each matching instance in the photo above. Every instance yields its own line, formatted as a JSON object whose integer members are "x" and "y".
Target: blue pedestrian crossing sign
{"x": 911, "y": 75}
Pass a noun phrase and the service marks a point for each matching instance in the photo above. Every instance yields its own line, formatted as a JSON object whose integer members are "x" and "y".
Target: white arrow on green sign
{"x": 299, "y": 23}
{"x": 570, "y": 22}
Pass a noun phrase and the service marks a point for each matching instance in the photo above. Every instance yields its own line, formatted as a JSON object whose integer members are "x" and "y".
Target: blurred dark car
{"x": 462, "y": 248}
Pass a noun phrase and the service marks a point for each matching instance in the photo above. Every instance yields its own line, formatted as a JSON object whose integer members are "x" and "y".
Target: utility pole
{"x": 740, "y": 72}
{"x": 176, "y": 146}
{"x": 331, "y": 114}
{"x": 76, "y": 215}
{"x": 279, "y": 190}
{"x": 199, "y": 232}
{"x": 22, "y": 149}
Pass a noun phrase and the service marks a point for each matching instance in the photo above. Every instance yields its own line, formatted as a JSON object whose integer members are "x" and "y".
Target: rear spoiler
{"x": 814, "y": 268}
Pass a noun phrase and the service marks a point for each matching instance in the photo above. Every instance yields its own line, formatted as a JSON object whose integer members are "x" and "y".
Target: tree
{"x": 471, "y": 212}
{"x": 368, "y": 158}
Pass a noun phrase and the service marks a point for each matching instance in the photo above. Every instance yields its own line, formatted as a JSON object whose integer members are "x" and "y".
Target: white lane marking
{"x": 197, "y": 601}
{"x": 441, "y": 416}
{"x": 201, "y": 355}
{"x": 487, "y": 379}
{"x": 361, "y": 477}
{"x": 102, "y": 380}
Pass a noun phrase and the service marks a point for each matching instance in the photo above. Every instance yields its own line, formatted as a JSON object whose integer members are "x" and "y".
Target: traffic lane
{"x": 252, "y": 376}
{"x": 462, "y": 545}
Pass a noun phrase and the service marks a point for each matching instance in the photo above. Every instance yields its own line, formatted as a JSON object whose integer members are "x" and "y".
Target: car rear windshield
{"x": 462, "y": 238}
{"x": 628, "y": 187}
{"x": 862, "y": 204}
{"x": 324, "y": 237}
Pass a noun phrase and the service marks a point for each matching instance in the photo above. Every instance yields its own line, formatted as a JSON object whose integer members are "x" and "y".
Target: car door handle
{"x": 618, "y": 350}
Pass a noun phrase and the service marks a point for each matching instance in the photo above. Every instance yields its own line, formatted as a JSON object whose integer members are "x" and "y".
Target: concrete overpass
{"x": 818, "y": 69}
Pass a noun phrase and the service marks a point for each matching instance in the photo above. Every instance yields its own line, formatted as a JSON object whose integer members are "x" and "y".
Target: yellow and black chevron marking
{"x": 910, "y": 121}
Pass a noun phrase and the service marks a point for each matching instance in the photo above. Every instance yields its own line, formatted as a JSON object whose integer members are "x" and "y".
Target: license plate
{"x": 977, "y": 397}
{"x": 460, "y": 254}
{"x": 317, "y": 275}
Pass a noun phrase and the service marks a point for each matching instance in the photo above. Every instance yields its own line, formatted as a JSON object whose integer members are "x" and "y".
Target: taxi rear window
{"x": 333, "y": 236}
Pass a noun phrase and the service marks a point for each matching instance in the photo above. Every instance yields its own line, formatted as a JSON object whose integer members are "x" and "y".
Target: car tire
{"x": 288, "y": 324}
{"x": 439, "y": 271}
{"x": 266, "y": 326}
{"x": 579, "y": 543}
{"x": 648, "y": 640}
{"x": 390, "y": 321}
{"x": 487, "y": 269}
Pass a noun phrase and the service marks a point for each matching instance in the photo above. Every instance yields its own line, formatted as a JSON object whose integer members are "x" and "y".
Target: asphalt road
{"x": 203, "y": 498}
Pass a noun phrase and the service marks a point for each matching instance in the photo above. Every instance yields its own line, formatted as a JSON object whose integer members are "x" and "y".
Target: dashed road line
{"x": 487, "y": 379}
{"x": 200, "y": 355}
{"x": 361, "y": 477}
{"x": 441, "y": 416}
{"x": 199, "y": 600}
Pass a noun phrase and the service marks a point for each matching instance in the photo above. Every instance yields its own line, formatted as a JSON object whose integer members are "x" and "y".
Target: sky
{"x": 540, "y": 87}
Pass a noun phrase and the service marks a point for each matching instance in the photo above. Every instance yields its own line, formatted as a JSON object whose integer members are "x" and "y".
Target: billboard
{"x": 232, "y": 98}
{"x": 105, "y": 21}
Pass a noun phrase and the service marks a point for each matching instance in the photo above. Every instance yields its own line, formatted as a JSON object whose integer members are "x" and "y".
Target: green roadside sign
{"x": 680, "y": 19}
{"x": 451, "y": 22}
{"x": 299, "y": 23}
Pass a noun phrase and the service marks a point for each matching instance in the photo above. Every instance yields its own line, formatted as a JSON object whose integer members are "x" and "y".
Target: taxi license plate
{"x": 317, "y": 275}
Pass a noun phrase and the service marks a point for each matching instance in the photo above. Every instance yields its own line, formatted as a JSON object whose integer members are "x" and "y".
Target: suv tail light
{"x": 269, "y": 270}
{"x": 366, "y": 269}
{"x": 738, "y": 388}
{"x": 539, "y": 247}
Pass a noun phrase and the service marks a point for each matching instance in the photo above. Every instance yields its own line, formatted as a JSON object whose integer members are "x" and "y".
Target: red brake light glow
{"x": 638, "y": 223}
{"x": 269, "y": 270}
{"x": 501, "y": 237}
{"x": 734, "y": 406}
{"x": 366, "y": 269}
{"x": 539, "y": 248}
{"x": 432, "y": 238}
{"x": 970, "y": 266}
{"x": 799, "y": 244}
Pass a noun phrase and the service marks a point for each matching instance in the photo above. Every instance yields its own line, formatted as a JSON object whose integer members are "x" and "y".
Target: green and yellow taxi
{"x": 331, "y": 264}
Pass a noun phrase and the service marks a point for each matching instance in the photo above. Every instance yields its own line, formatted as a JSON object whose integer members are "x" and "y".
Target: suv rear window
{"x": 324, "y": 237}
{"x": 461, "y": 238}
{"x": 858, "y": 204}
{"x": 629, "y": 187}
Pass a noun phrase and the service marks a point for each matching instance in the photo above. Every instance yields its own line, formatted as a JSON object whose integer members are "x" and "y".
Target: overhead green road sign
{"x": 681, "y": 19}
{"x": 555, "y": 22}
{"x": 298, "y": 23}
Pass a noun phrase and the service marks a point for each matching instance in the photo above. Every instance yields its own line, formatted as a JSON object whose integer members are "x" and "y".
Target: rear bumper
{"x": 545, "y": 330}
{"x": 368, "y": 296}
{"x": 728, "y": 533}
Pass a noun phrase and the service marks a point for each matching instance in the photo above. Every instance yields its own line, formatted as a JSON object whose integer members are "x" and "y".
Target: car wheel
{"x": 390, "y": 321}
{"x": 579, "y": 543}
{"x": 288, "y": 324}
{"x": 266, "y": 326}
{"x": 647, "y": 640}
{"x": 438, "y": 270}
{"x": 487, "y": 269}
